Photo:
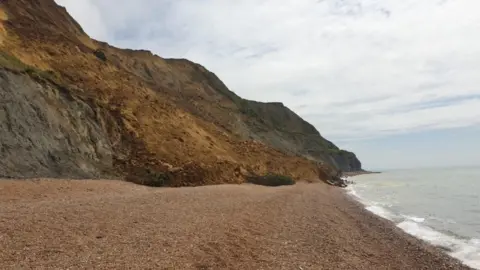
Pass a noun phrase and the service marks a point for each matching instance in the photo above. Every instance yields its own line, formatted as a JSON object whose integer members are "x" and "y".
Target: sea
{"x": 440, "y": 206}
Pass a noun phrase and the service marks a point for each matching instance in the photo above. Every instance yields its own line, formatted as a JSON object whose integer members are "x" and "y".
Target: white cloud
{"x": 89, "y": 17}
{"x": 352, "y": 68}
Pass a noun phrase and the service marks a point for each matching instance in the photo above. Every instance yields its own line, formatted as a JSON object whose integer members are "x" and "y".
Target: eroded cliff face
{"x": 48, "y": 133}
{"x": 271, "y": 123}
{"x": 76, "y": 107}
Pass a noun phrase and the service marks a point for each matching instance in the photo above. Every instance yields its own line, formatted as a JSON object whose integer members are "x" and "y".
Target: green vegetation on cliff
{"x": 78, "y": 108}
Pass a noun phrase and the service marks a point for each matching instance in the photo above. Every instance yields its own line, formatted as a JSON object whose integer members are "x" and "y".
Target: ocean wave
{"x": 380, "y": 211}
{"x": 414, "y": 218}
{"x": 375, "y": 207}
{"x": 351, "y": 191}
{"x": 466, "y": 250}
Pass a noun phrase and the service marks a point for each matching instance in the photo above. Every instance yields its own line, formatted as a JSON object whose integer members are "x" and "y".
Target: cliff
{"x": 74, "y": 107}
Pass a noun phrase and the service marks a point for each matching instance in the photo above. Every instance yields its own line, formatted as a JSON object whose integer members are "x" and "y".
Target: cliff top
{"x": 158, "y": 115}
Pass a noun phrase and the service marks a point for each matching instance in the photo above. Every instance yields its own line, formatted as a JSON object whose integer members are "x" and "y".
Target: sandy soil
{"x": 60, "y": 224}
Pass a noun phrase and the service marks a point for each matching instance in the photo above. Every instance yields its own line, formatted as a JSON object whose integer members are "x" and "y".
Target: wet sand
{"x": 91, "y": 224}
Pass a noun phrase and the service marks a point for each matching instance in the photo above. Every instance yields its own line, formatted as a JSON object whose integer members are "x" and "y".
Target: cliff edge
{"x": 74, "y": 107}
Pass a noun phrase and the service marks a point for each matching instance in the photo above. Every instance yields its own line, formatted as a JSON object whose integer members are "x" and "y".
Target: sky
{"x": 396, "y": 82}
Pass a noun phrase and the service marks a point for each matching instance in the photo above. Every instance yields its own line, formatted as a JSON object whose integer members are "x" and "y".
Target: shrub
{"x": 149, "y": 177}
{"x": 271, "y": 180}
{"x": 157, "y": 179}
{"x": 100, "y": 55}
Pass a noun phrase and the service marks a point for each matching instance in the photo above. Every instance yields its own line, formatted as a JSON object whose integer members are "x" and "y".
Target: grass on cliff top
{"x": 271, "y": 180}
{"x": 11, "y": 62}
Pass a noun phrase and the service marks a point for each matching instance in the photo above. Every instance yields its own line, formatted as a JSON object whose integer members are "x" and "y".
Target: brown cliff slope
{"x": 75, "y": 107}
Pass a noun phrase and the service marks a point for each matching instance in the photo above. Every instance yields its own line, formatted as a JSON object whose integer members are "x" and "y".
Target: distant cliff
{"x": 271, "y": 123}
{"x": 74, "y": 107}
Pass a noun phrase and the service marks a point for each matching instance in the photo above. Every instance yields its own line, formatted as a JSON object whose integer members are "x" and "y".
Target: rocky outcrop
{"x": 48, "y": 133}
{"x": 78, "y": 108}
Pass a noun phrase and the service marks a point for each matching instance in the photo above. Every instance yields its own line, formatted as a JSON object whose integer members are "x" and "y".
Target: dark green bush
{"x": 157, "y": 180}
{"x": 149, "y": 177}
{"x": 271, "y": 180}
{"x": 100, "y": 55}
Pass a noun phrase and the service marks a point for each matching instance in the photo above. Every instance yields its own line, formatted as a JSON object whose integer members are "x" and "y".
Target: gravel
{"x": 101, "y": 224}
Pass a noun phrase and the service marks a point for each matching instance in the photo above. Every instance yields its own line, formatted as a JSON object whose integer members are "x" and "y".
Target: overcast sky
{"x": 395, "y": 81}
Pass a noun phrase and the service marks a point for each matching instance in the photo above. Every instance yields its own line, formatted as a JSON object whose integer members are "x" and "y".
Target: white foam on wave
{"x": 414, "y": 218}
{"x": 468, "y": 251}
{"x": 374, "y": 207}
{"x": 351, "y": 191}
{"x": 380, "y": 211}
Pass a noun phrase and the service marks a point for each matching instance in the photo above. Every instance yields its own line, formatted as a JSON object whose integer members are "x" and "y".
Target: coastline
{"x": 357, "y": 173}
{"x": 453, "y": 243}
{"x": 102, "y": 224}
